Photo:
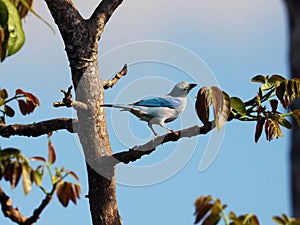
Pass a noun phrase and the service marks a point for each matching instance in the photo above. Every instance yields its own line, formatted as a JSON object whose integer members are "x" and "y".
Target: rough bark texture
{"x": 293, "y": 9}
{"x": 81, "y": 44}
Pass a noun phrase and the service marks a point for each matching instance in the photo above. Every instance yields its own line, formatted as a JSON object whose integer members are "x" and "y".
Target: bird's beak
{"x": 192, "y": 86}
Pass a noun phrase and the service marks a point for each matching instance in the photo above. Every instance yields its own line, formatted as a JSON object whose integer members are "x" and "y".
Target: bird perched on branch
{"x": 159, "y": 110}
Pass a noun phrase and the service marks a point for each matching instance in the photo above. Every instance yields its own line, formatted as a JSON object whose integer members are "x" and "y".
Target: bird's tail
{"x": 122, "y": 107}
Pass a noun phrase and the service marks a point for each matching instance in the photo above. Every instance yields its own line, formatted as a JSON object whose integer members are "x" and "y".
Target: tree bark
{"x": 293, "y": 9}
{"x": 81, "y": 44}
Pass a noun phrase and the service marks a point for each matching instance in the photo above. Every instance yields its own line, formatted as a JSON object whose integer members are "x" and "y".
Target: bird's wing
{"x": 159, "y": 102}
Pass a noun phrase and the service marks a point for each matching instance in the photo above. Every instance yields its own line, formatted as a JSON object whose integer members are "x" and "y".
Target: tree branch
{"x": 117, "y": 77}
{"x": 37, "y": 212}
{"x": 38, "y": 129}
{"x": 103, "y": 12}
{"x": 138, "y": 151}
{"x": 15, "y": 215}
{"x": 9, "y": 211}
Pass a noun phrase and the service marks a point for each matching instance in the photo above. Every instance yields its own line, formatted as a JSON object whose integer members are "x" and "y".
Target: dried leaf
{"x": 51, "y": 153}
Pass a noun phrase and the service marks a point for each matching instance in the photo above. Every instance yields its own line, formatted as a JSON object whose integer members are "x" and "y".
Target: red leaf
{"x": 23, "y": 106}
{"x": 77, "y": 188}
{"x": 259, "y": 128}
{"x": 51, "y": 153}
{"x": 30, "y": 107}
{"x": 74, "y": 175}
{"x": 274, "y": 105}
{"x": 20, "y": 92}
{"x": 38, "y": 158}
{"x": 202, "y": 104}
{"x": 73, "y": 195}
{"x": 32, "y": 98}
{"x": 62, "y": 194}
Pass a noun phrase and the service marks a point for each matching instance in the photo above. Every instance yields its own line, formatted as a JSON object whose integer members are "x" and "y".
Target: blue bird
{"x": 159, "y": 110}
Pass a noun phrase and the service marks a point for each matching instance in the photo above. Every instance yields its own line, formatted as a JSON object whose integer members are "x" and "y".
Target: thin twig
{"x": 117, "y": 77}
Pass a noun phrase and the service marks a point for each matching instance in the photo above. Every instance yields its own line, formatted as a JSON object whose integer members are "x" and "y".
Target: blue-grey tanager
{"x": 159, "y": 110}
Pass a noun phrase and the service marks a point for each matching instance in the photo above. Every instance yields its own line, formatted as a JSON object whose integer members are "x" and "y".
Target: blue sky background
{"x": 235, "y": 40}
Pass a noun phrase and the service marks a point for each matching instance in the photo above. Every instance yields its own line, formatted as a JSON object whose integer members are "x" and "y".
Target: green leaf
{"x": 16, "y": 34}
{"x": 4, "y": 14}
{"x": 259, "y": 79}
{"x": 9, "y": 111}
{"x": 284, "y": 122}
{"x": 296, "y": 115}
{"x": 276, "y": 80}
{"x": 238, "y": 105}
{"x": 9, "y": 152}
{"x": 3, "y": 94}
{"x": 278, "y": 220}
{"x": 28, "y": 7}
{"x": 4, "y": 34}
{"x": 37, "y": 177}
{"x": 26, "y": 178}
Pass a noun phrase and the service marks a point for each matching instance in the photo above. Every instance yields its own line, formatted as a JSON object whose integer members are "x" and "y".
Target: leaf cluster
{"x": 14, "y": 165}
{"x": 210, "y": 211}
{"x": 27, "y": 103}
{"x": 263, "y": 108}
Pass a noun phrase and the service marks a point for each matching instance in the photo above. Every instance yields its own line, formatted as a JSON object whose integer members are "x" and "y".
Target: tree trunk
{"x": 81, "y": 44}
{"x": 293, "y": 8}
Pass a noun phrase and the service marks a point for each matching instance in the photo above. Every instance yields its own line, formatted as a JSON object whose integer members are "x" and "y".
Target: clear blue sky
{"x": 235, "y": 40}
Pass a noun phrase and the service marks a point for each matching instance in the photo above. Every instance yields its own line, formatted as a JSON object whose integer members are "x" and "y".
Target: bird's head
{"x": 182, "y": 89}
